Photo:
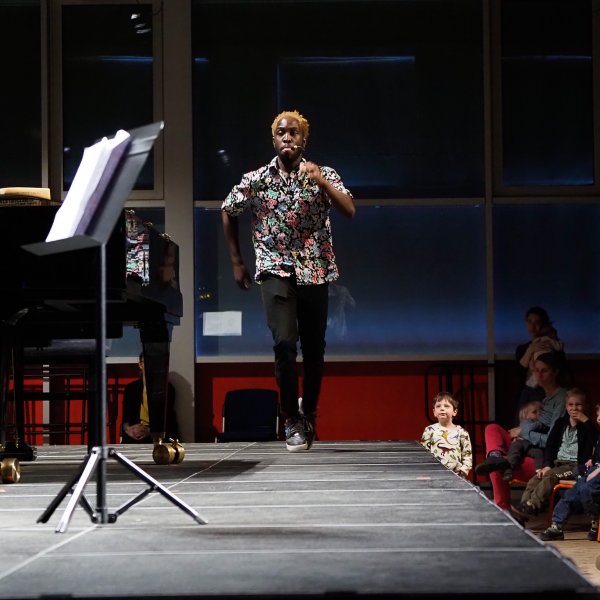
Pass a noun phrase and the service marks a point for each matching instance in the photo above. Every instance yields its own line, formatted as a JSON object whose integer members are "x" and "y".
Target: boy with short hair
{"x": 446, "y": 440}
{"x": 584, "y": 496}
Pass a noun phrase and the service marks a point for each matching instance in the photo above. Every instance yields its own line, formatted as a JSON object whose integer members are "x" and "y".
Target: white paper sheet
{"x": 227, "y": 322}
{"x": 93, "y": 175}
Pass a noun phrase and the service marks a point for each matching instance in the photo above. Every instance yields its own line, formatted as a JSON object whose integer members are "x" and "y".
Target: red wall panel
{"x": 359, "y": 401}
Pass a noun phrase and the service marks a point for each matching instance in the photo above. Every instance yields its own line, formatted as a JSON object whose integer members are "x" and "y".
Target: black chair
{"x": 250, "y": 415}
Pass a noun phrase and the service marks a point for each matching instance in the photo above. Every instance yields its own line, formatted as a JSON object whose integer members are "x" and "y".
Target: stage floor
{"x": 345, "y": 520}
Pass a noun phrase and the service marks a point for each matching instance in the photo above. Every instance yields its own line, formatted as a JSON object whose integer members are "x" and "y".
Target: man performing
{"x": 290, "y": 199}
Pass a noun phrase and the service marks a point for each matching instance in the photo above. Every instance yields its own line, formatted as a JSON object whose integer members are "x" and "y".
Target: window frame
{"x": 55, "y": 101}
{"x": 533, "y": 193}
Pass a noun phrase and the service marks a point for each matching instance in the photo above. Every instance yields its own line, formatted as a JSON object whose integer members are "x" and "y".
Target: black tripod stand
{"x": 95, "y": 463}
{"x": 103, "y": 219}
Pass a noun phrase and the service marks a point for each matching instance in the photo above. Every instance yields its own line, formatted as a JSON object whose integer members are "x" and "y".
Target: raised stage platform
{"x": 345, "y": 520}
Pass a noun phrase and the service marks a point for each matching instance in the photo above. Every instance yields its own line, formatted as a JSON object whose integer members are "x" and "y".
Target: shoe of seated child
{"x": 593, "y": 532}
{"x": 494, "y": 462}
{"x": 519, "y": 514}
{"x": 530, "y": 508}
{"x": 554, "y": 532}
{"x": 507, "y": 475}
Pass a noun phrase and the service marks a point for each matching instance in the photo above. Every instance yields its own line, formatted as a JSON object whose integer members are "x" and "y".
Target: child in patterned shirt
{"x": 446, "y": 440}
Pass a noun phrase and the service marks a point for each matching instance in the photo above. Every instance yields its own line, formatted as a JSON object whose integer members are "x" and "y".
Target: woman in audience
{"x": 544, "y": 338}
{"x": 497, "y": 439}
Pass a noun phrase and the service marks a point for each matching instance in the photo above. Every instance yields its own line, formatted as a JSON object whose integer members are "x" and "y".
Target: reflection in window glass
{"x": 415, "y": 284}
{"x": 394, "y": 97}
{"x": 107, "y": 78}
{"x": 129, "y": 345}
{"x": 20, "y": 101}
{"x": 547, "y": 255}
{"x": 547, "y": 112}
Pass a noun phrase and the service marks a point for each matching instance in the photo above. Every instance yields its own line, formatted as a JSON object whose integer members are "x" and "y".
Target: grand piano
{"x": 51, "y": 300}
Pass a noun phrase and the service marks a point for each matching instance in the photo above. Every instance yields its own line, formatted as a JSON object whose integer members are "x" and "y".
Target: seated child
{"x": 569, "y": 448}
{"x": 447, "y": 441}
{"x": 520, "y": 447}
{"x": 584, "y": 496}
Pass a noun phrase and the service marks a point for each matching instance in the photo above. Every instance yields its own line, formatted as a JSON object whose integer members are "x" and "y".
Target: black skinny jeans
{"x": 297, "y": 312}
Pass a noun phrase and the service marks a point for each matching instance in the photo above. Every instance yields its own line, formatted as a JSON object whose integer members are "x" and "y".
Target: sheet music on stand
{"x": 104, "y": 179}
{"x": 93, "y": 176}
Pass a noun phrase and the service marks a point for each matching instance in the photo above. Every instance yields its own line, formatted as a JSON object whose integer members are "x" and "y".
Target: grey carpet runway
{"x": 345, "y": 520}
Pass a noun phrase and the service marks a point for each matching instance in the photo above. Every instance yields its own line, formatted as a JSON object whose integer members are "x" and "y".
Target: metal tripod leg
{"x": 100, "y": 515}
{"x": 154, "y": 485}
{"x": 88, "y": 472}
{"x": 68, "y": 487}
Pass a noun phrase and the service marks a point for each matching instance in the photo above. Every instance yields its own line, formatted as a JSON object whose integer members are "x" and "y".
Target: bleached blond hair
{"x": 291, "y": 114}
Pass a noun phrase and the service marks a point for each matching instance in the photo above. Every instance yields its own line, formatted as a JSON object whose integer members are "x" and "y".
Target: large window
{"x": 412, "y": 282}
{"x": 20, "y": 101}
{"x": 547, "y": 93}
{"x": 107, "y": 64}
{"x": 548, "y": 255}
{"x": 396, "y": 99}
{"x": 393, "y": 92}
{"x": 468, "y": 136}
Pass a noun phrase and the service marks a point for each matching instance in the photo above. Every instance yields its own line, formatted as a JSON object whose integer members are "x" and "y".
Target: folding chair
{"x": 563, "y": 484}
{"x": 250, "y": 415}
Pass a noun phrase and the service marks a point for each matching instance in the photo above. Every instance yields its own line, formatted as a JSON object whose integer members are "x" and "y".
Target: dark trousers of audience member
{"x": 499, "y": 440}
{"x": 538, "y": 490}
{"x": 297, "y": 312}
{"x": 521, "y": 448}
{"x": 584, "y": 497}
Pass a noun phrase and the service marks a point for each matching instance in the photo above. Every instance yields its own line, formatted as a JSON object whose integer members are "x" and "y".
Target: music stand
{"x": 100, "y": 217}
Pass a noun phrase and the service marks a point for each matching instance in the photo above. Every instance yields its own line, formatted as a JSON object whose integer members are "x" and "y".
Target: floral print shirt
{"x": 291, "y": 229}
{"x": 451, "y": 446}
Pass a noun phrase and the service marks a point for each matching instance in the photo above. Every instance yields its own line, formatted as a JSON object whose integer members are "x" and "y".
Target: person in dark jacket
{"x": 583, "y": 497}
{"x": 569, "y": 449}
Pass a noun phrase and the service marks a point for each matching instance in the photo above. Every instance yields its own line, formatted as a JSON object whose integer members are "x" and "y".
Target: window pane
{"x": 547, "y": 111}
{"x": 107, "y": 78}
{"x": 415, "y": 284}
{"x": 20, "y": 101}
{"x": 394, "y": 96}
{"x": 548, "y": 256}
